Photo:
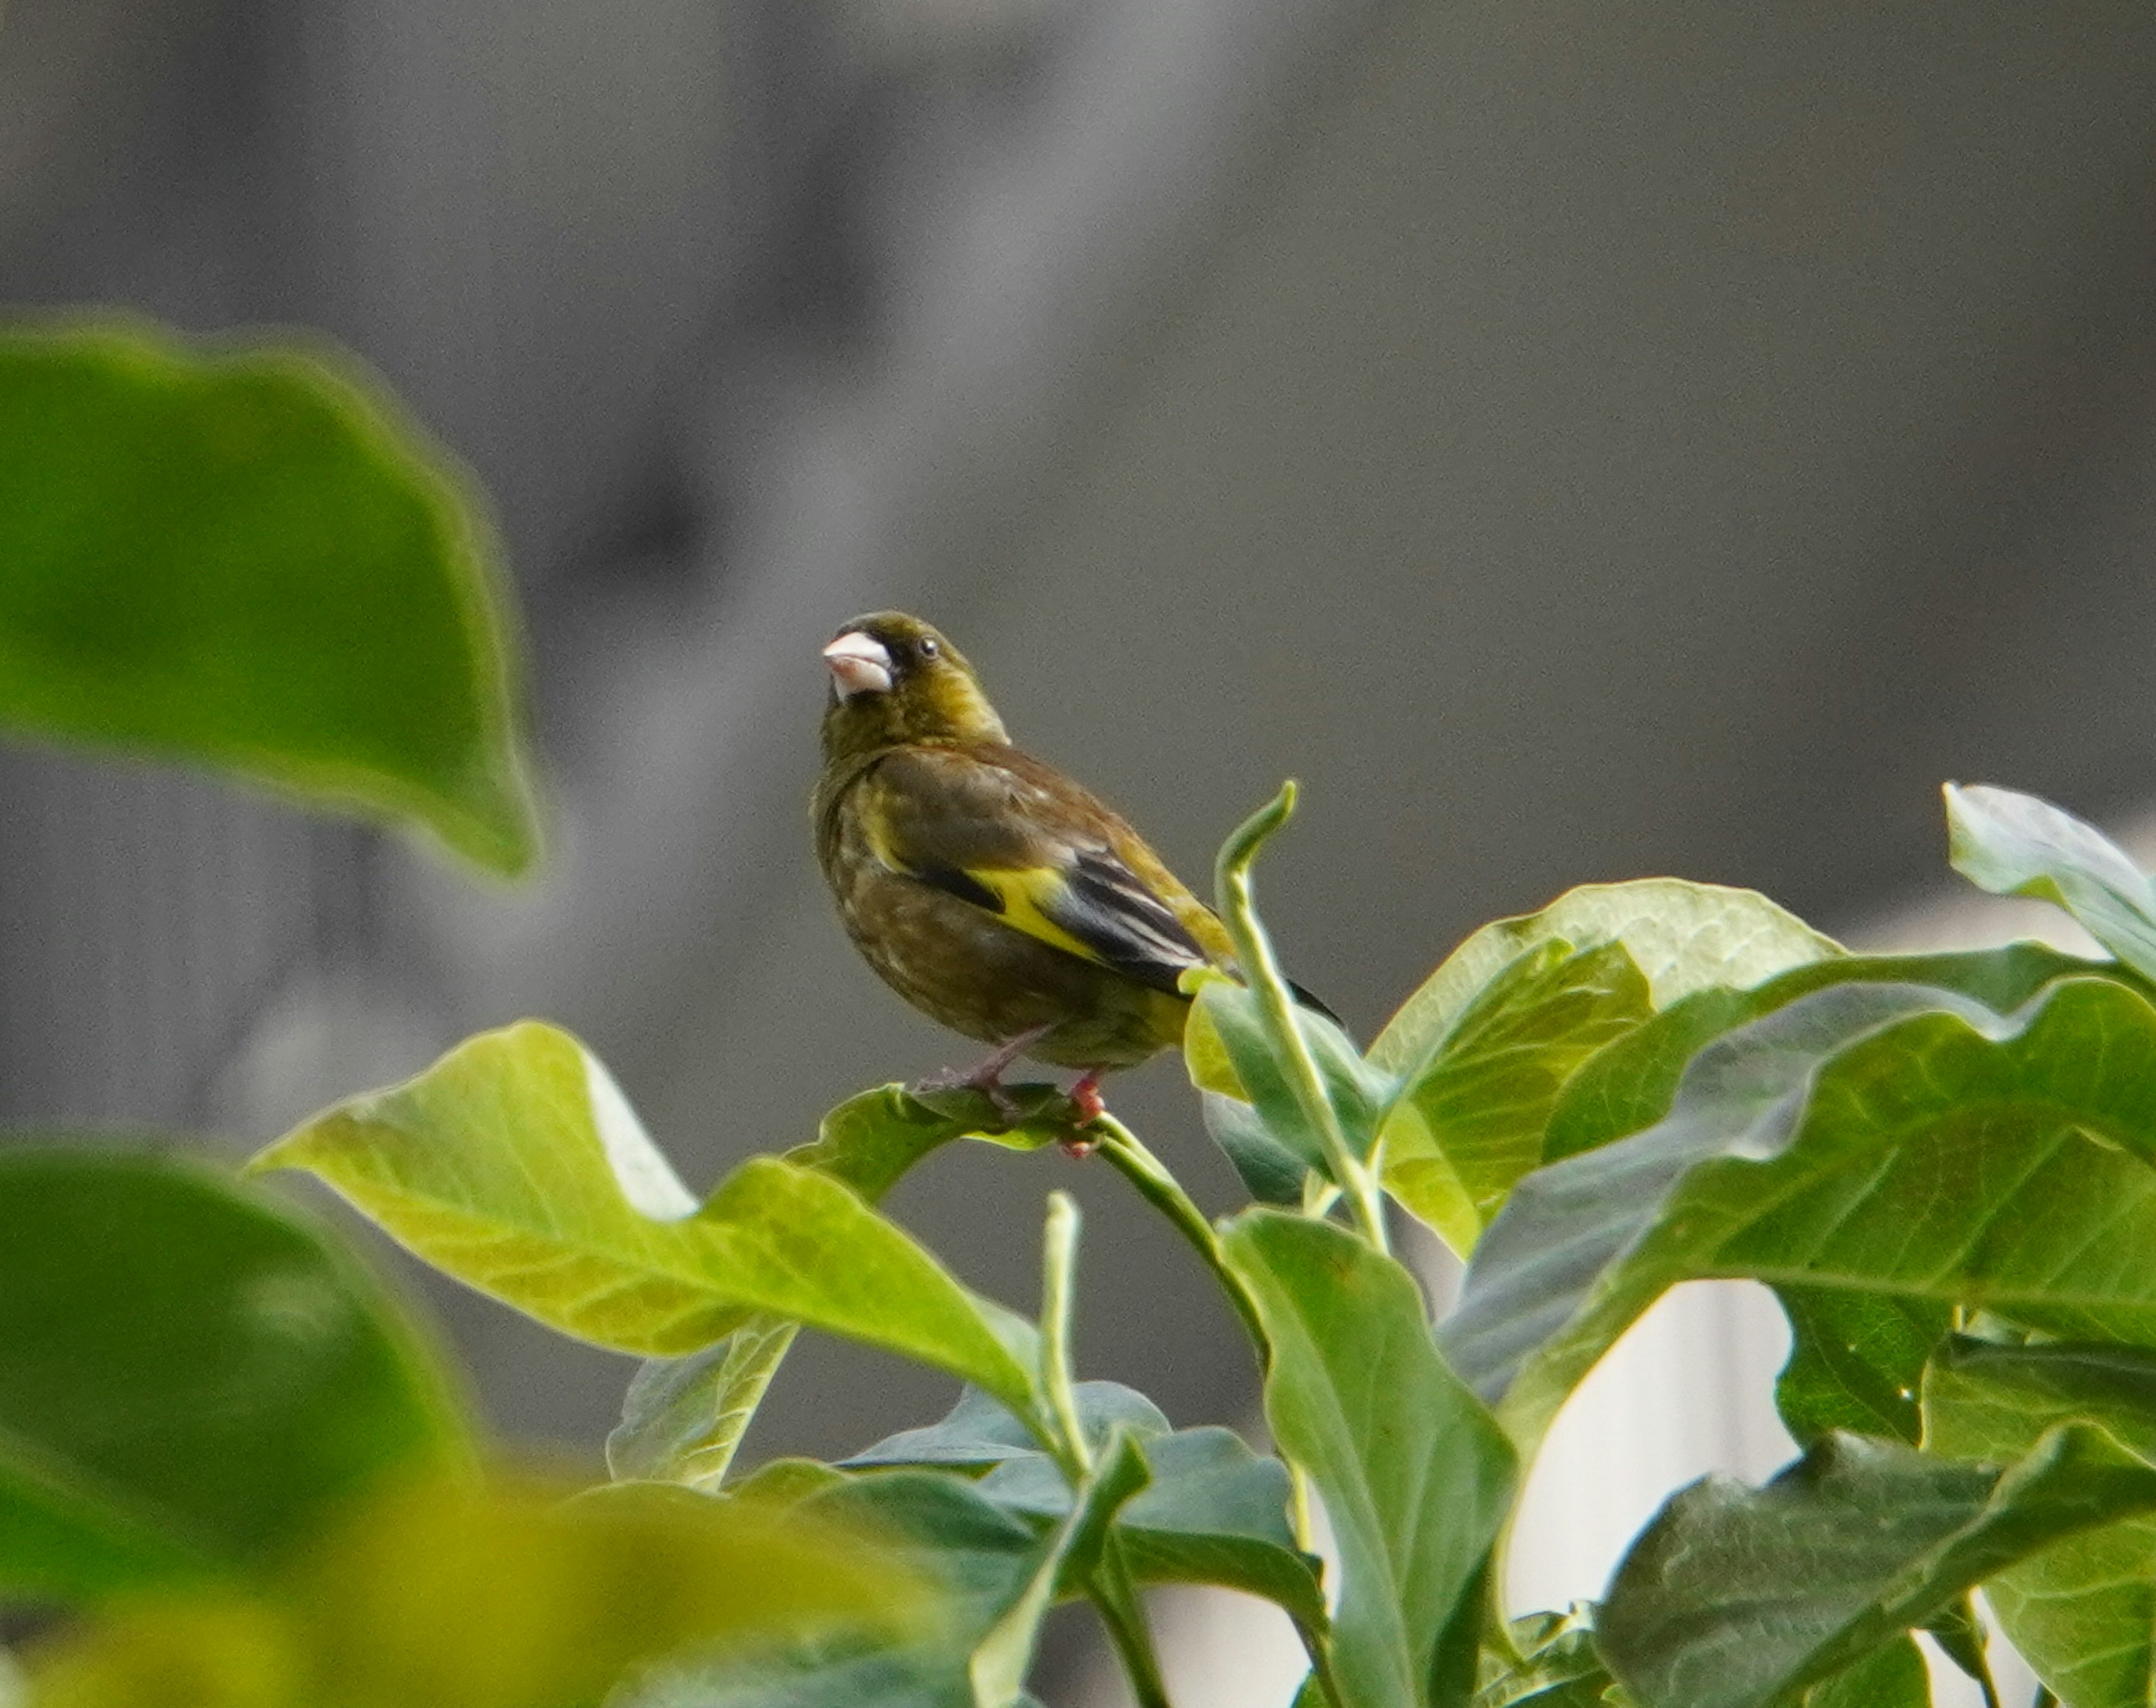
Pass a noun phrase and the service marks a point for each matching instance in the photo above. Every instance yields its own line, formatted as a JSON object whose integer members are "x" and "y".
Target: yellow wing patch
{"x": 1022, "y": 894}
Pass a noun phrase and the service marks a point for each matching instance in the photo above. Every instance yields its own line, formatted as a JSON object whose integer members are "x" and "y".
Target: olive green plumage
{"x": 988, "y": 889}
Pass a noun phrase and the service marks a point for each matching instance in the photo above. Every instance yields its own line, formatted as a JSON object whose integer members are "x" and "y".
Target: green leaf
{"x": 248, "y": 557}
{"x": 2082, "y": 1613}
{"x": 1271, "y": 1173}
{"x": 1214, "y": 1511}
{"x": 1469, "y": 1121}
{"x": 980, "y": 1432}
{"x": 516, "y": 1164}
{"x": 494, "y": 1597}
{"x": 1738, "y": 1597}
{"x": 997, "y": 1573}
{"x": 1891, "y": 1676}
{"x": 1557, "y": 1665}
{"x": 188, "y": 1378}
{"x": 1683, "y": 937}
{"x": 1416, "y": 1475}
{"x": 1631, "y": 1085}
{"x": 684, "y": 1419}
{"x": 1856, "y": 1361}
{"x": 2014, "y": 845}
{"x": 1887, "y": 1139}
{"x": 1229, "y": 1054}
{"x": 999, "y": 1663}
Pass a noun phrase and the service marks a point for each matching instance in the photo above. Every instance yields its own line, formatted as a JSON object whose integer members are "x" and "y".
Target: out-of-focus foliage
{"x": 239, "y": 555}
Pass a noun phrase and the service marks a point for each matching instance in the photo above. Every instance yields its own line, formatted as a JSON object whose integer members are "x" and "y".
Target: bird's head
{"x": 893, "y": 679}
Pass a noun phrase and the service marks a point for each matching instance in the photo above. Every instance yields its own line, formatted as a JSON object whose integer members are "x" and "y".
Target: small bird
{"x": 987, "y": 889}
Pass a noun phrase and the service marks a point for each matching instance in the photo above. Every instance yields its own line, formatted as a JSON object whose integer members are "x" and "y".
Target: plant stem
{"x": 1058, "y": 1262}
{"x": 1231, "y": 877}
{"x": 1123, "y": 1617}
{"x": 1130, "y": 1159}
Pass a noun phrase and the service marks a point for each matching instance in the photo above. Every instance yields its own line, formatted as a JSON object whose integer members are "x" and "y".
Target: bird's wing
{"x": 1018, "y": 840}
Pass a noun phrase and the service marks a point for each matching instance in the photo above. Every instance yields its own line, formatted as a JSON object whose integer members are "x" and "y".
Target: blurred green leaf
{"x": 1416, "y": 1475}
{"x": 500, "y": 1597}
{"x": 1890, "y": 1139}
{"x": 248, "y": 557}
{"x": 993, "y": 1569}
{"x": 1740, "y": 1597}
{"x": 1856, "y": 1361}
{"x": 2083, "y": 1613}
{"x": 1469, "y": 1121}
{"x": 1683, "y": 937}
{"x": 516, "y": 1164}
{"x": 189, "y": 1378}
{"x": 2015, "y": 844}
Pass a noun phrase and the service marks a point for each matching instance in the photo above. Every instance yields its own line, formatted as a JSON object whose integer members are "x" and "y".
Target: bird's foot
{"x": 988, "y": 1079}
{"x": 990, "y": 1085}
{"x": 1087, "y": 1096}
{"x": 1085, "y": 1099}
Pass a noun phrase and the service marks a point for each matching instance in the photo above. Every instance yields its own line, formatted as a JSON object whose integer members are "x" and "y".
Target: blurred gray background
{"x": 1577, "y": 440}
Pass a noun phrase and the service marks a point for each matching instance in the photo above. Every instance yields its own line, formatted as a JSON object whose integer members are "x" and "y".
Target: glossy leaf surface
{"x": 1416, "y": 1475}
{"x": 1889, "y": 1139}
{"x": 2082, "y": 1612}
{"x": 516, "y": 1164}
{"x": 1740, "y": 1597}
{"x": 247, "y": 558}
{"x": 189, "y": 1378}
{"x": 1469, "y": 1121}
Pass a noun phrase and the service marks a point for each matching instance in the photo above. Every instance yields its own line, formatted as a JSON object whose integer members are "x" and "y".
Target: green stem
{"x": 1058, "y": 1263}
{"x": 1130, "y": 1159}
{"x": 1122, "y": 1614}
{"x": 1231, "y": 877}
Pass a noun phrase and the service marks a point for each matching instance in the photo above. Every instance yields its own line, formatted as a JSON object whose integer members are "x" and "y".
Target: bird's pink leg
{"x": 1087, "y": 1096}
{"x": 988, "y": 1079}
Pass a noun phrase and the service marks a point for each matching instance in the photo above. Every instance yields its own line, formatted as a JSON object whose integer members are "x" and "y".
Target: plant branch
{"x": 1231, "y": 877}
{"x": 1058, "y": 1263}
{"x": 1136, "y": 1164}
{"x": 1122, "y": 1614}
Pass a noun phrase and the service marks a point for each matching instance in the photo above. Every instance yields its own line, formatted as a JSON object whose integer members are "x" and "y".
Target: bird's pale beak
{"x": 860, "y": 663}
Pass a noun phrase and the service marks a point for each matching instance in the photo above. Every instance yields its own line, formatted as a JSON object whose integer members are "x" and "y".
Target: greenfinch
{"x": 987, "y": 889}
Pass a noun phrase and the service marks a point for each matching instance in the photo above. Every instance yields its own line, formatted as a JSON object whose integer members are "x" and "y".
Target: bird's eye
{"x": 928, "y": 647}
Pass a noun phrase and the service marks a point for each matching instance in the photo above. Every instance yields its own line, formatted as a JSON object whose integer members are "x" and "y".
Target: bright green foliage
{"x": 189, "y": 1378}
{"x": 1683, "y": 937}
{"x": 1888, "y": 1139}
{"x": 243, "y": 557}
{"x": 1738, "y": 1597}
{"x": 1484, "y": 1051}
{"x": 2083, "y": 1613}
{"x": 1470, "y": 1122}
{"x": 1416, "y": 1475}
{"x": 486, "y": 1596}
{"x": 1856, "y": 1361}
{"x": 516, "y": 1164}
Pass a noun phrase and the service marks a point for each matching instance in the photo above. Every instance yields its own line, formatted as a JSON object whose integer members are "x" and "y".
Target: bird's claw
{"x": 949, "y": 1079}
